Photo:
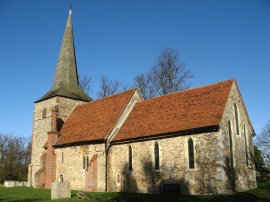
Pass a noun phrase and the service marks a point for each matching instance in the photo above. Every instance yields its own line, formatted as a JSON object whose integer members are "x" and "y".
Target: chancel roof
{"x": 189, "y": 110}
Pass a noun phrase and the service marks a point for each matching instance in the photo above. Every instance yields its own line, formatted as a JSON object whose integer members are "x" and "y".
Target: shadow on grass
{"x": 262, "y": 194}
{"x": 21, "y": 200}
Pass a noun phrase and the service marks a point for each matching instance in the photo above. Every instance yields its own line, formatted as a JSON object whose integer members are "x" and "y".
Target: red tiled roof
{"x": 94, "y": 120}
{"x": 181, "y": 111}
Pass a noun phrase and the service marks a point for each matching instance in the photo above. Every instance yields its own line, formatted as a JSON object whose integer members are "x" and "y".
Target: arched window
{"x": 191, "y": 162}
{"x": 61, "y": 178}
{"x": 246, "y": 145}
{"x": 236, "y": 118}
{"x": 230, "y": 142}
{"x": 118, "y": 178}
{"x": 156, "y": 152}
{"x": 130, "y": 158}
{"x": 84, "y": 160}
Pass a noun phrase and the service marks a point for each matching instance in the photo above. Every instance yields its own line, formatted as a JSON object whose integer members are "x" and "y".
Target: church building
{"x": 196, "y": 141}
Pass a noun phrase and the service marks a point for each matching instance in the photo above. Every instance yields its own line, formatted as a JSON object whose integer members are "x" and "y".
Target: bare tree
{"x": 167, "y": 75}
{"x": 85, "y": 82}
{"x": 14, "y": 157}
{"x": 263, "y": 143}
{"x": 142, "y": 81}
{"x": 108, "y": 87}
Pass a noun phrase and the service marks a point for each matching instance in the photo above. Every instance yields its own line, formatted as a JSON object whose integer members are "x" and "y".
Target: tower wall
{"x": 41, "y": 127}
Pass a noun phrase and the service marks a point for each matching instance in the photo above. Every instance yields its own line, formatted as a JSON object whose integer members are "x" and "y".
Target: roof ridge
{"x": 190, "y": 89}
{"x": 121, "y": 113}
{"x": 107, "y": 97}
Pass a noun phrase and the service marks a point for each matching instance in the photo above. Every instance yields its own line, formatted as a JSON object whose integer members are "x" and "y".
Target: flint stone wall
{"x": 72, "y": 165}
{"x": 242, "y": 176}
{"x": 41, "y": 126}
{"x": 212, "y": 174}
{"x": 173, "y": 165}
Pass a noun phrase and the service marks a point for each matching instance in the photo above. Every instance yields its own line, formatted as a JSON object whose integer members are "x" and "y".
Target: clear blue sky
{"x": 218, "y": 40}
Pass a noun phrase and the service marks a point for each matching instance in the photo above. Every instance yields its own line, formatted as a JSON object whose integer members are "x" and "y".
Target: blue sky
{"x": 218, "y": 40}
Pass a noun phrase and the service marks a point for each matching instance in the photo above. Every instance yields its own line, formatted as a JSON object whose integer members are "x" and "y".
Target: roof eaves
{"x": 78, "y": 143}
{"x": 212, "y": 128}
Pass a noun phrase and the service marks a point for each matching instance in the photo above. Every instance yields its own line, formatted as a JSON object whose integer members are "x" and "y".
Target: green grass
{"x": 24, "y": 194}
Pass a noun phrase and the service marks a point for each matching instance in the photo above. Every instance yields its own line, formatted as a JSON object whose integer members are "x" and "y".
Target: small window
{"x": 62, "y": 157}
{"x": 236, "y": 119}
{"x": 230, "y": 142}
{"x": 85, "y": 162}
{"x": 44, "y": 112}
{"x": 191, "y": 162}
{"x": 118, "y": 178}
{"x": 156, "y": 152}
{"x": 130, "y": 158}
{"x": 84, "y": 159}
{"x": 61, "y": 178}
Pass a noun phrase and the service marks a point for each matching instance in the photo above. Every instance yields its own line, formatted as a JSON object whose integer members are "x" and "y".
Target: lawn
{"x": 24, "y": 194}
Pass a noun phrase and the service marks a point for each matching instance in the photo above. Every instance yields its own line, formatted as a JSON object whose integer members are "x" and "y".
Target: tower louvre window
{"x": 191, "y": 161}
{"x": 44, "y": 112}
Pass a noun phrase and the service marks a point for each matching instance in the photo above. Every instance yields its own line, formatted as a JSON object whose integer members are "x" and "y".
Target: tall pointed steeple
{"x": 66, "y": 76}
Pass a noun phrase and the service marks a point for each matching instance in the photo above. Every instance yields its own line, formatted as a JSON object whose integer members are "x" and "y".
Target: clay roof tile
{"x": 94, "y": 120}
{"x": 181, "y": 111}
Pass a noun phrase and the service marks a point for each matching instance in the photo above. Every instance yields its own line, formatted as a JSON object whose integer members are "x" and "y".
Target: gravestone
{"x": 12, "y": 183}
{"x": 60, "y": 190}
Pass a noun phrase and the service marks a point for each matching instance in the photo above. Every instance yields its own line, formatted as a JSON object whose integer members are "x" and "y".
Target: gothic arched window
{"x": 230, "y": 142}
{"x": 130, "y": 158}
{"x": 156, "y": 152}
{"x": 236, "y": 119}
{"x": 84, "y": 160}
{"x": 191, "y": 161}
{"x": 118, "y": 178}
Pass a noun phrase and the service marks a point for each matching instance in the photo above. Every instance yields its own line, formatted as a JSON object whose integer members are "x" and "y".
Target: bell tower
{"x": 66, "y": 94}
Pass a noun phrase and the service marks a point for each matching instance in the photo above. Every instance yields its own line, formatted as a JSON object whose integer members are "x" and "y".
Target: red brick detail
{"x": 50, "y": 167}
{"x": 40, "y": 174}
{"x": 54, "y": 118}
{"x": 91, "y": 175}
{"x": 93, "y": 158}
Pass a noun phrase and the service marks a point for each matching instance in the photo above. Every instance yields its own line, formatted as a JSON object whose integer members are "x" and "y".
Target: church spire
{"x": 66, "y": 77}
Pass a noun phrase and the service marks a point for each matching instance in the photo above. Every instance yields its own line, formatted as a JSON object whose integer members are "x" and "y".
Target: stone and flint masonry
{"x": 197, "y": 141}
